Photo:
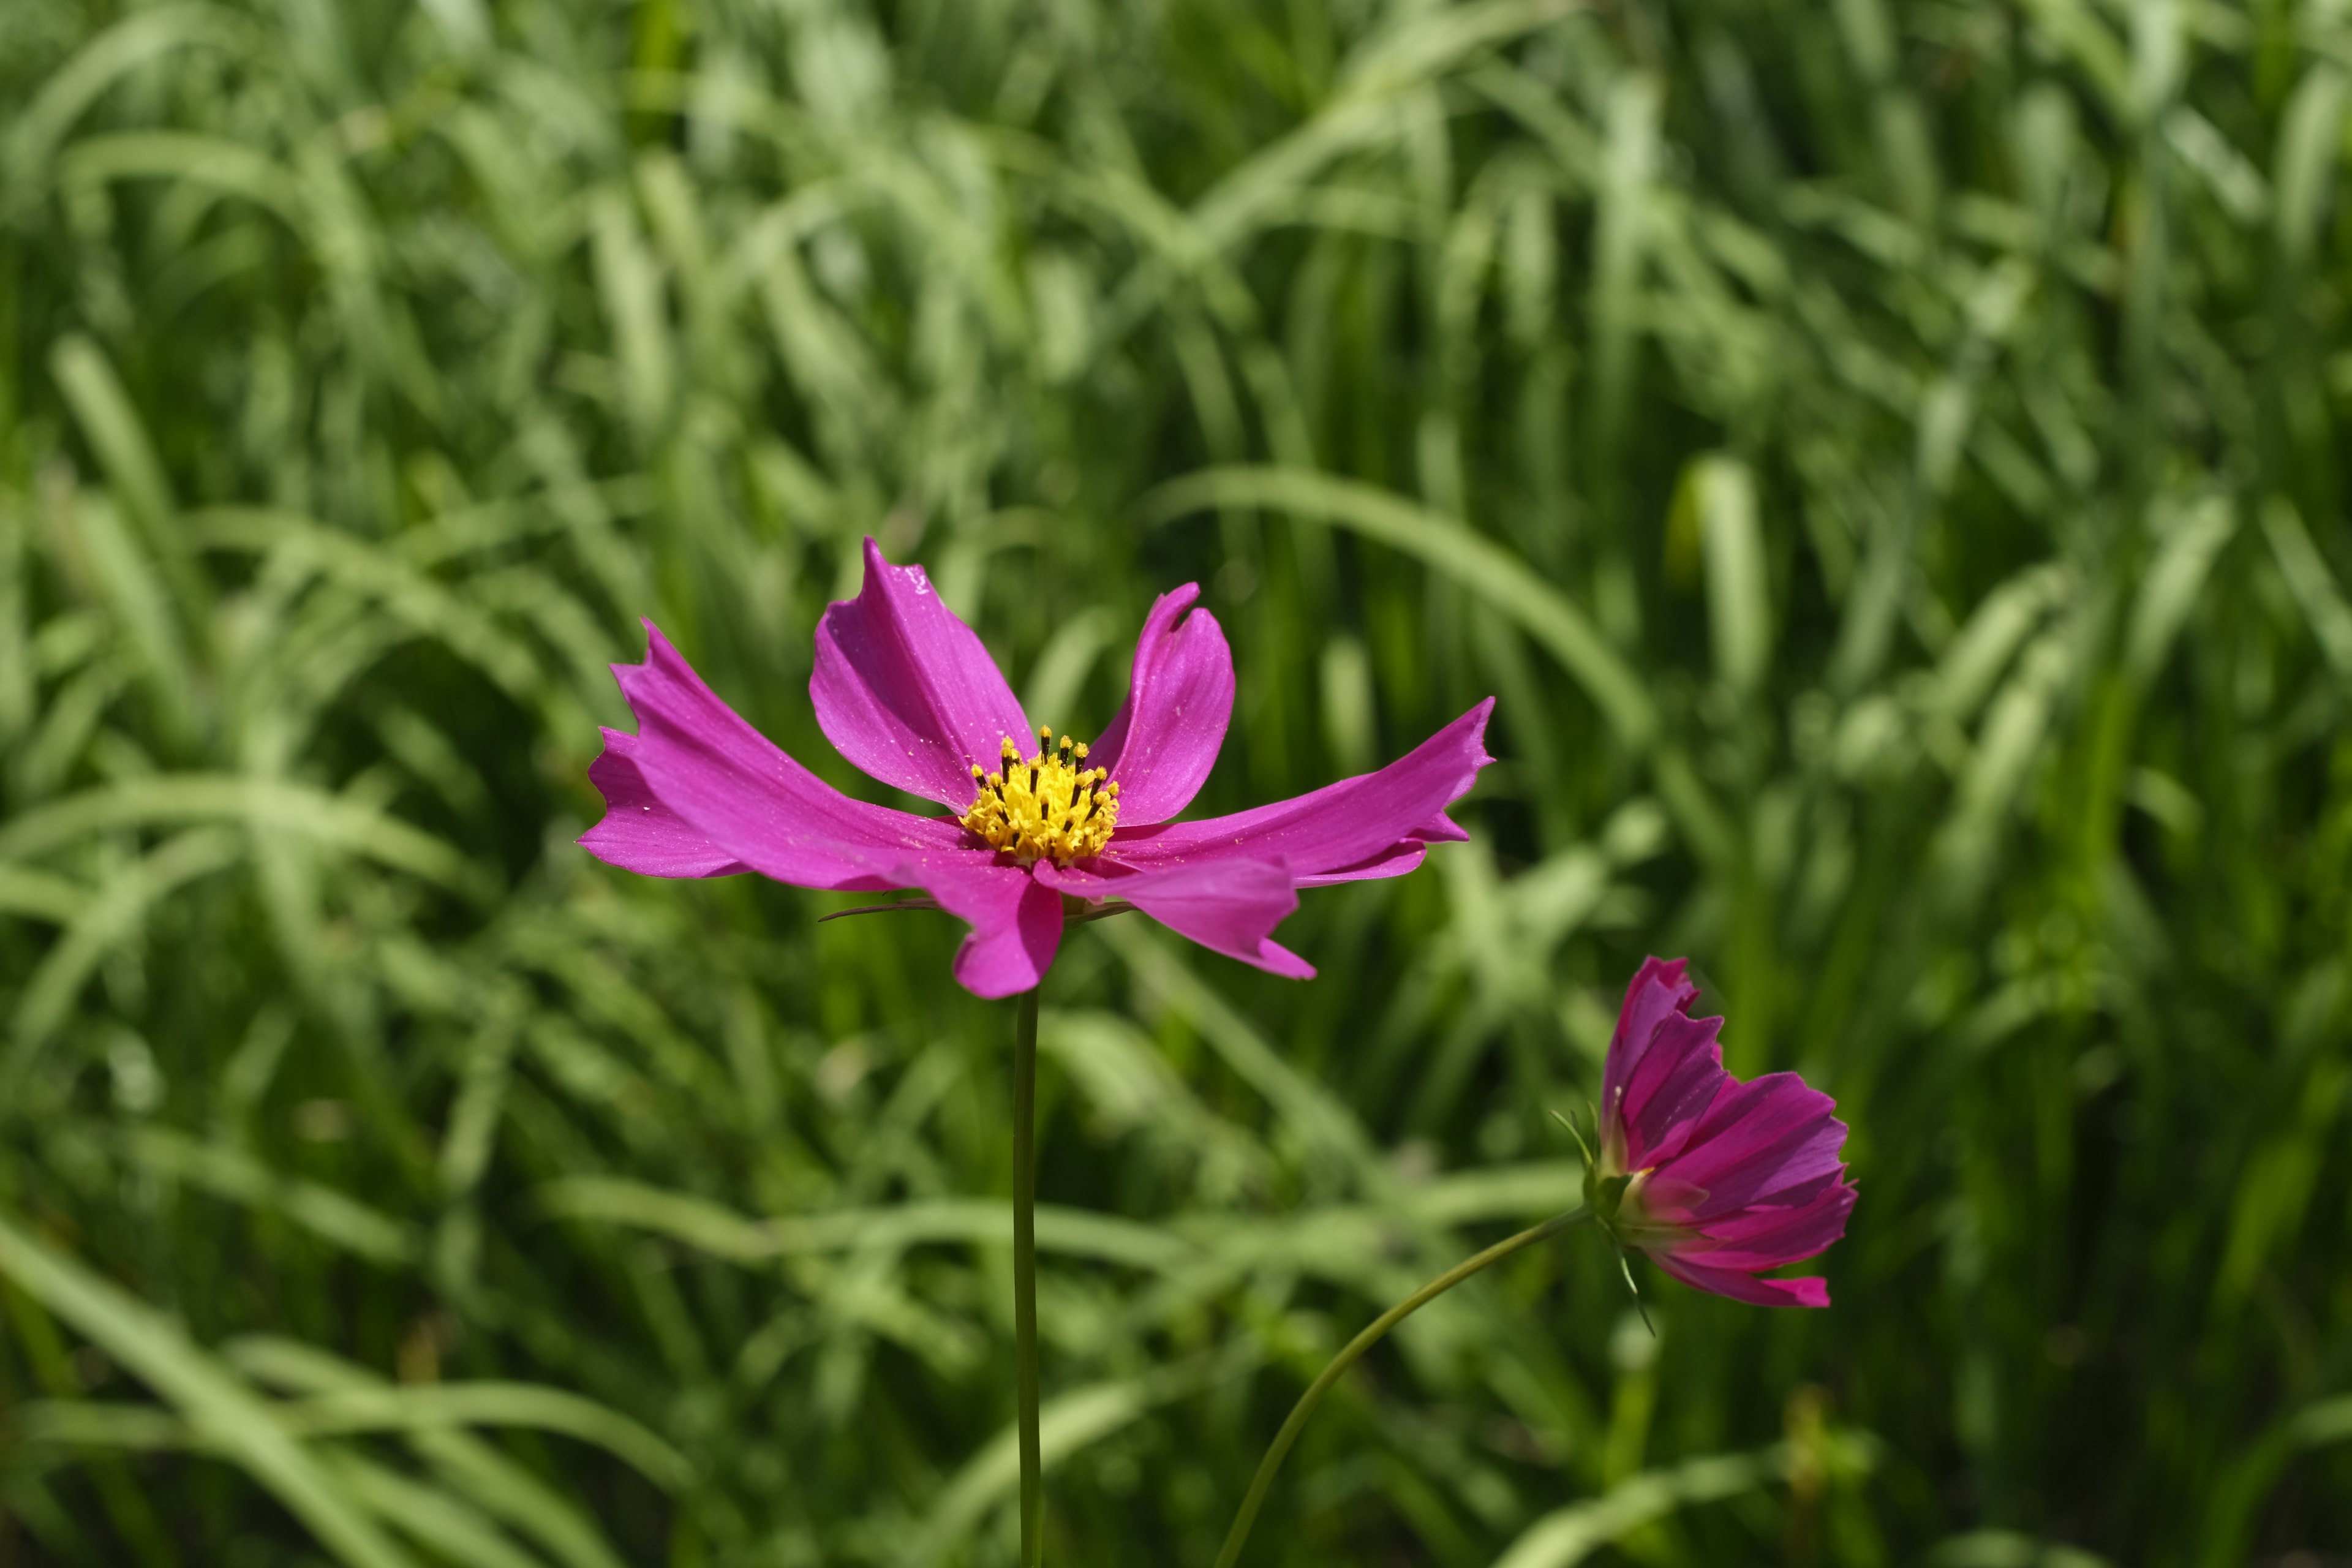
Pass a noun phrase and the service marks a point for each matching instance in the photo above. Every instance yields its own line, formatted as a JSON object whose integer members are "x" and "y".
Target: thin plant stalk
{"x": 1025, "y": 1275}
{"x": 1347, "y": 1357}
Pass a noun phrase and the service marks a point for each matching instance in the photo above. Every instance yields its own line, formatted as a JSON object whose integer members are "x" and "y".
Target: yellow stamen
{"x": 1044, "y": 807}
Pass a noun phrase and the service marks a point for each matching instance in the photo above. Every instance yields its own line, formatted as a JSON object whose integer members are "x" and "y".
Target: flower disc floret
{"x": 1048, "y": 808}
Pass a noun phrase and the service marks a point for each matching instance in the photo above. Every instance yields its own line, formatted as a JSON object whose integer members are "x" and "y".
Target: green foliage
{"x": 1888, "y": 457}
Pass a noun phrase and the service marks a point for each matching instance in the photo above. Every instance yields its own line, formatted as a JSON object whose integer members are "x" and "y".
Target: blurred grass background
{"x": 1887, "y": 456}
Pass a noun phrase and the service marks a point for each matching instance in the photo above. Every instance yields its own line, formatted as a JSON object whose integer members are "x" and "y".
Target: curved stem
{"x": 1025, "y": 1275}
{"x": 1354, "y": 1352}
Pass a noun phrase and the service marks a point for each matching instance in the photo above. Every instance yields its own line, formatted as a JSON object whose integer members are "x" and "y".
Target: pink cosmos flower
{"x": 1716, "y": 1179}
{"x": 904, "y": 689}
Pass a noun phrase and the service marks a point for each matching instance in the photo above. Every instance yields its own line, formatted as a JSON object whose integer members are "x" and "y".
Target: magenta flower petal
{"x": 1352, "y": 828}
{"x": 1747, "y": 1287}
{"x": 1017, "y": 926}
{"x": 1761, "y": 1141}
{"x": 639, "y": 833}
{"x": 1716, "y": 1179}
{"x": 1227, "y": 906}
{"x": 1769, "y": 1237}
{"x": 905, "y": 691}
{"x": 1669, "y": 1092}
{"x": 729, "y": 784}
{"x": 1659, "y": 989}
{"x": 1167, "y": 734}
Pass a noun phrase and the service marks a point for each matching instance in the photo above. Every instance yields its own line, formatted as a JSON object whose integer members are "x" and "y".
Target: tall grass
{"x": 1888, "y": 459}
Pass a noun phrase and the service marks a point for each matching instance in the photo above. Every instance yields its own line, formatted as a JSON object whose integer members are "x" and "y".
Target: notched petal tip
{"x": 1374, "y": 825}
{"x": 639, "y": 832}
{"x": 904, "y": 689}
{"x": 1671, "y": 975}
{"x": 1277, "y": 959}
{"x": 1017, "y": 928}
{"x": 1480, "y": 712}
{"x": 735, "y": 790}
{"x": 1164, "y": 740}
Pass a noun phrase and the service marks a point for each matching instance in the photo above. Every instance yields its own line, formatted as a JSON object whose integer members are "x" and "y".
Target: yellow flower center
{"x": 1046, "y": 808}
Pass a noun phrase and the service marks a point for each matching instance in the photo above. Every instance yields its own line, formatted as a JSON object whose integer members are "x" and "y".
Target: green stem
{"x": 1354, "y": 1352}
{"x": 1025, "y": 1275}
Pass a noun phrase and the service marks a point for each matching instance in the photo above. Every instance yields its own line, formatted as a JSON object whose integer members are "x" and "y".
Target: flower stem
{"x": 1354, "y": 1351}
{"x": 1025, "y": 1275}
